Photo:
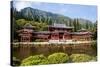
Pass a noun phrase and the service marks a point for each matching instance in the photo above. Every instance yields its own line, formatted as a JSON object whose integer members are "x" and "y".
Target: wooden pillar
{"x": 63, "y": 37}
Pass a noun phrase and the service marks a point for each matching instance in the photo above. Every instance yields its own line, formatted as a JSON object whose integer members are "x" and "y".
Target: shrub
{"x": 34, "y": 60}
{"x": 94, "y": 58}
{"x": 80, "y": 58}
{"x": 58, "y": 58}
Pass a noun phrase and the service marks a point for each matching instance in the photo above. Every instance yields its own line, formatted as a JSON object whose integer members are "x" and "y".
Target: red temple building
{"x": 55, "y": 32}
{"x": 26, "y": 33}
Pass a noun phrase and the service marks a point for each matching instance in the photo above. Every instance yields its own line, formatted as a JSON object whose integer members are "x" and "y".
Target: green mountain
{"x": 41, "y": 16}
{"x": 37, "y": 15}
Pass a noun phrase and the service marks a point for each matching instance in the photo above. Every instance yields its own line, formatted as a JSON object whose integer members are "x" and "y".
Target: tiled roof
{"x": 25, "y": 30}
{"x": 82, "y": 33}
{"x": 60, "y": 26}
{"x": 28, "y": 25}
{"x": 42, "y": 32}
{"x": 82, "y": 30}
{"x": 61, "y": 32}
{"x": 48, "y": 32}
{"x": 41, "y": 36}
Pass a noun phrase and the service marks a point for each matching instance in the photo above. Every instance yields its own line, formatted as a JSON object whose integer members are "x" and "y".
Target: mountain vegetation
{"x": 41, "y": 19}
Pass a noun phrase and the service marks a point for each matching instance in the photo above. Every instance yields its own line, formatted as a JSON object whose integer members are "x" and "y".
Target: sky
{"x": 88, "y": 12}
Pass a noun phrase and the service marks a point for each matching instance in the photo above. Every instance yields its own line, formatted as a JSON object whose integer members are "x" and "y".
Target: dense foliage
{"x": 34, "y": 60}
{"x": 58, "y": 58}
{"x": 80, "y": 58}
{"x": 41, "y": 59}
{"x": 36, "y": 25}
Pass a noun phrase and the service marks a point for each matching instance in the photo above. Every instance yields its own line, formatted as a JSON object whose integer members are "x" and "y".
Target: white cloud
{"x": 62, "y": 11}
{"x": 21, "y": 4}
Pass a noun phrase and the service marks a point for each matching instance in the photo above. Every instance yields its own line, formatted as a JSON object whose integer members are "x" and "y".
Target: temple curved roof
{"x": 56, "y": 25}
